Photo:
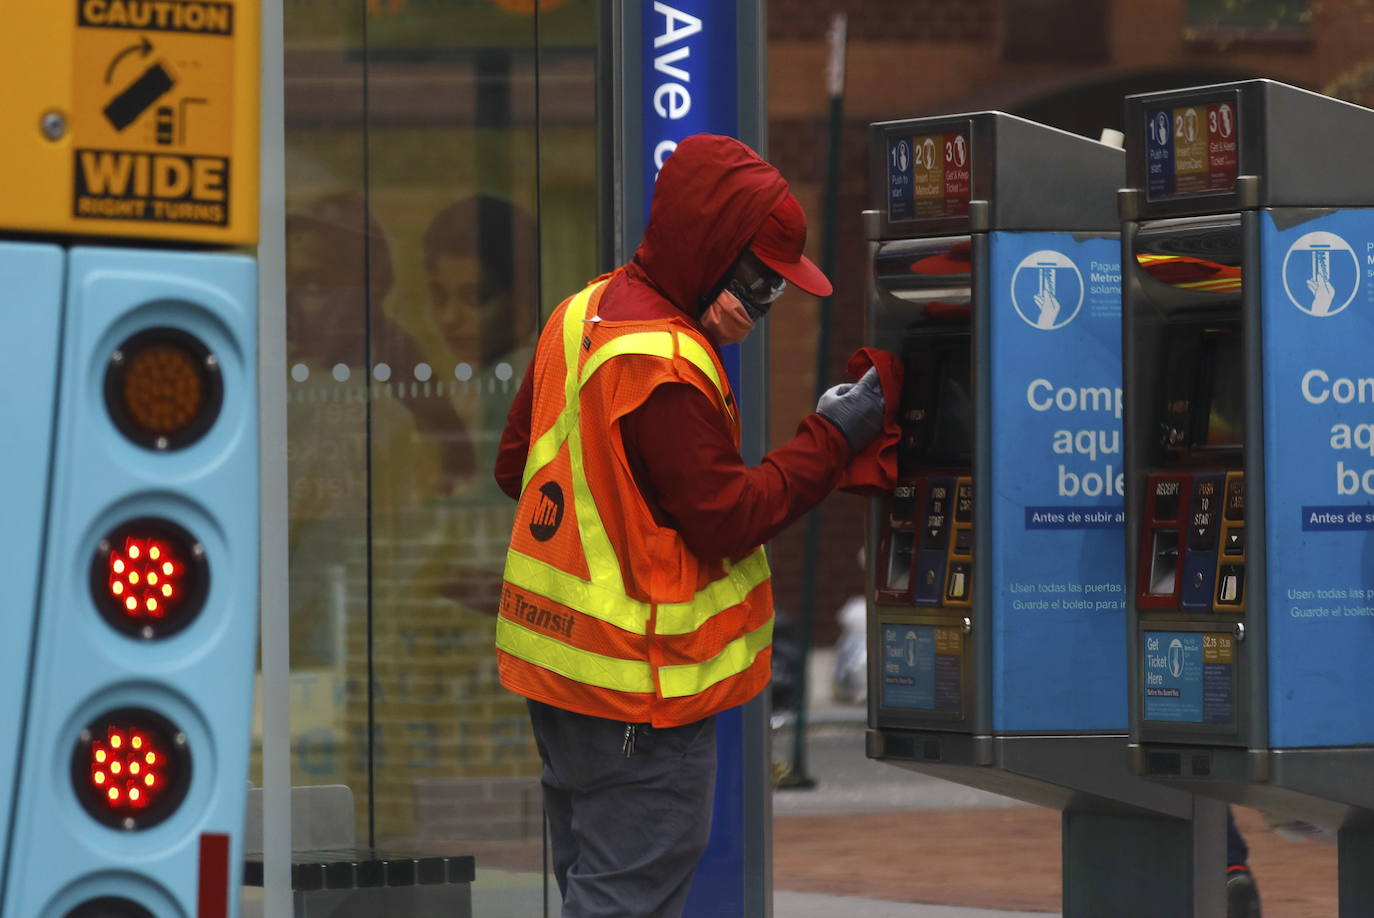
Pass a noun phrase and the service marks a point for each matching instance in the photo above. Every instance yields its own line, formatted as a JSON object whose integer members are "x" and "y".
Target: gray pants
{"x": 626, "y": 830}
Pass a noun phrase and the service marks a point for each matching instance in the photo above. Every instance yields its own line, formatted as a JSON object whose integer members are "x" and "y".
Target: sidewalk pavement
{"x": 817, "y": 905}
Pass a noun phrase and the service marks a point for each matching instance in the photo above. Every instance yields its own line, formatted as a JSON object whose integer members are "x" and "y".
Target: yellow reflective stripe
{"x": 572, "y": 662}
{"x": 572, "y": 339}
{"x": 545, "y": 449}
{"x": 575, "y": 593}
{"x": 602, "y": 562}
{"x": 738, "y": 655}
{"x": 629, "y": 613}
{"x": 731, "y": 590}
{"x": 690, "y": 348}
{"x": 649, "y": 344}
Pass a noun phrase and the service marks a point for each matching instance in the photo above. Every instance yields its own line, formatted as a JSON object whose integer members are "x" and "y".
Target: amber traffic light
{"x": 163, "y": 388}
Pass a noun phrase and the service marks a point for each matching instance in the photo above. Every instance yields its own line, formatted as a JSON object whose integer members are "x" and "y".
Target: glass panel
{"x": 451, "y": 176}
{"x": 327, "y": 295}
{"x": 431, "y": 149}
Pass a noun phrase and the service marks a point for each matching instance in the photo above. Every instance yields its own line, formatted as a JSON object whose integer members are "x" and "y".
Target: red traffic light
{"x": 130, "y": 768}
{"x": 149, "y": 578}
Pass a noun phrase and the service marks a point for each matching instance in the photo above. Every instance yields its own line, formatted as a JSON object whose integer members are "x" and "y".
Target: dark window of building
{"x": 1265, "y": 21}
{"x": 1054, "y": 30}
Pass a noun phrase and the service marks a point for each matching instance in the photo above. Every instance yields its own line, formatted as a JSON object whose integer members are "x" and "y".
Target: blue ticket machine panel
{"x": 1248, "y": 315}
{"x": 997, "y": 582}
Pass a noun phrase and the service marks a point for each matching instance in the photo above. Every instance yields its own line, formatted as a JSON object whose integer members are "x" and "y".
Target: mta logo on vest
{"x": 548, "y": 514}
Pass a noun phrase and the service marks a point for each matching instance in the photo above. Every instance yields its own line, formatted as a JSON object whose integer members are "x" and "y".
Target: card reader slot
{"x": 1230, "y": 588}
{"x": 959, "y": 580}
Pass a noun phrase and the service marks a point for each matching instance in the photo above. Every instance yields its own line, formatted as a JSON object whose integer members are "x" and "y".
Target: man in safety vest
{"x": 636, "y": 602}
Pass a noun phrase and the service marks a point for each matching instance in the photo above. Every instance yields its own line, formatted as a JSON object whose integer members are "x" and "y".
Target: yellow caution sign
{"x": 131, "y": 118}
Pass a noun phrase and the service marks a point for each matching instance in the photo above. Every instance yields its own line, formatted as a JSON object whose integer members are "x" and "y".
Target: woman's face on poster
{"x": 467, "y": 313}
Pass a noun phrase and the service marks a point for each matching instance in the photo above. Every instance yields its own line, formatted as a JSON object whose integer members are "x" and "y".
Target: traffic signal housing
{"x": 130, "y": 791}
{"x": 31, "y": 276}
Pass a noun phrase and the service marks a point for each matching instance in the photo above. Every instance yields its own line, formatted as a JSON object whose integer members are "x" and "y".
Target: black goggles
{"x": 755, "y": 284}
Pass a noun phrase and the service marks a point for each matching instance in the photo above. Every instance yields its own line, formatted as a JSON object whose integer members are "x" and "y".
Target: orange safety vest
{"x": 604, "y": 611}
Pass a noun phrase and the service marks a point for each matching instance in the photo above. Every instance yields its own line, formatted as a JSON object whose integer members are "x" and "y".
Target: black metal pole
{"x": 797, "y": 776}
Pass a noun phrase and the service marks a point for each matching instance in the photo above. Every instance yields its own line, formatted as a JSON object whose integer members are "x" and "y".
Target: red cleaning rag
{"x": 874, "y": 470}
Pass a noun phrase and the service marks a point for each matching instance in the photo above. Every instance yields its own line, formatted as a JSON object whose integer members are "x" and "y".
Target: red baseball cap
{"x": 779, "y": 244}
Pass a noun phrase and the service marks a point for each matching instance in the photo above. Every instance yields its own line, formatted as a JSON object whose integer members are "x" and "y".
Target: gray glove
{"x": 855, "y": 408}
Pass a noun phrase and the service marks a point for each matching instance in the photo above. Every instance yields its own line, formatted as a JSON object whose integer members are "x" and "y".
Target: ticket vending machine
{"x": 1247, "y": 238}
{"x": 996, "y": 613}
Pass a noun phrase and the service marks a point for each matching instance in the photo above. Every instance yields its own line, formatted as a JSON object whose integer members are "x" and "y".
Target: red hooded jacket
{"x": 712, "y": 195}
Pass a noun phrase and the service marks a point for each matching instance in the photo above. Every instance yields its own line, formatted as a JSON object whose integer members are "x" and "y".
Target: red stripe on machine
{"x": 212, "y": 900}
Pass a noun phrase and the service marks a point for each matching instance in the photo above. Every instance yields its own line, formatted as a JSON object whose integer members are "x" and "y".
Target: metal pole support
{"x": 1135, "y": 864}
{"x": 1355, "y": 856}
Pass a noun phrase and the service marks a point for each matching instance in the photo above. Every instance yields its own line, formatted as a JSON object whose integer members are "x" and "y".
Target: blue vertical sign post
{"x": 691, "y": 78}
{"x": 689, "y": 87}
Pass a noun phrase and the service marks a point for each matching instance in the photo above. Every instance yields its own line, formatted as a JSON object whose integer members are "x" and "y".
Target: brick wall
{"x": 885, "y": 20}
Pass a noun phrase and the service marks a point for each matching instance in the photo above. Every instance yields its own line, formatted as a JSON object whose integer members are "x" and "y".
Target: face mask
{"x": 726, "y": 320}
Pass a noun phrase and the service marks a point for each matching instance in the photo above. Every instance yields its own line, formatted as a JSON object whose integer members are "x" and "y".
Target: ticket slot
{"x": 1204, "y": 526}
{"x": 1164, "y": 548}
{"x": 900, "y": 539}
{"x": 1230, "y": 578}
{"x": 901, "y": 507}
{"x": 899, "y": 549}
{"x": 959, "y": 581}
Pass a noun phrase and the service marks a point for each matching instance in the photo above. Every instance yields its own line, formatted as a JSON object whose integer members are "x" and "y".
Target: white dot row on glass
{"x": 423, "y": 372}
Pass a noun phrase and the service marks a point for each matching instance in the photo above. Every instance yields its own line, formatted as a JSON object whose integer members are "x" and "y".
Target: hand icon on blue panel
{"x": 1320, "y": 284}
{"x": 1049, "y": 307}
{"x": 1037, "y": 290}
{"x": 1328, "y": 267}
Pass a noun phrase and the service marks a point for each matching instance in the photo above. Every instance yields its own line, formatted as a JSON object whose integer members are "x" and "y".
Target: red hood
{"x": 711, "y": 197}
